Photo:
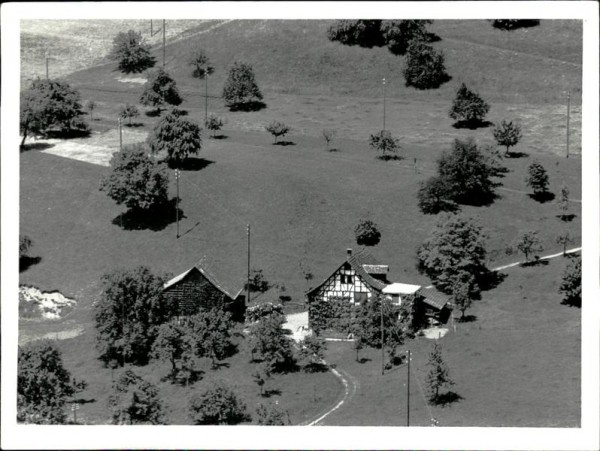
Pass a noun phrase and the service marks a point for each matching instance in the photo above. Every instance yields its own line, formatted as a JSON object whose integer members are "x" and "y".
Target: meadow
{"x": 303, "y": 201}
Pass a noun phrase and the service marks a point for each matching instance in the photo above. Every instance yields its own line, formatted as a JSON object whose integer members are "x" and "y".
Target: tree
{"x": 240, "y": 90}
{"x": 570, "y": 286}
{"x": 128, "y": 112}
{"x": 367, "y": 233}
{"x": 91, "y": 106}
{"x": 25, "y": 244}
{"x": 214, "y": 123}
{"x": 43, "y": 384}
{"x": 132, "y": 53}
{"x": 439, "y": 375}
{"x": 435, "y": 195}
{"x": 424, "y": 67}
{"x": 328, "y": 136}
{"x": 461, "y": 293}
{"x": 400, "y": 34}
{"x": 268, "y": 339}
{"x": 128, "y": 313}
{"x": 468, "y": 107}
{"x": 365, "y": 33}
{"x": 50, "y": 104}
{"x": 135, "y": 401}
{"x": 173, "y": 344}
{"x": 277, "y": 129}
{"x": 212, "y": 334}
{"x": 466, "y": 172}
{"x": 218, "y": 405}
{"x": 537, "y": 179}
{"x": 564, "y": 239}
{"x": 507, "y": 134}
{"x": 384, "y": 141}
{"x": 455, "y": 248}
{"x": 261, "y": 375}
{"x": 270, "y": 415}
{"x": 312, "y": 350}
{"x": 160, "y": 90}
{"x": 201, "y": 64}
{"x": 528, "y": 242}
{"x": 177, "y": 136}
{"x": 563, "y": 203}
{"x": 136, "y": 180}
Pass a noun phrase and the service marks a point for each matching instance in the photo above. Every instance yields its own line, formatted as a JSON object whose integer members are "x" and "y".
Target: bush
{"x": 214, "y": 123}
{"x": 537, "y": 179}
{"x": 218, "y": 405}
{"x": 507, "y": 134}
{"x": 365, "y": 33}
{"x": 132, "y": 53}
{"x": 128, "y": 112}
{"x": 211, "y": 334}
{"x": 136, "y": 180}
{"x": 367, "y": 233}
{"x": 177, "y": 136}
{"x": 272, "y": 416}
{"x": 241, "y": 90}
{"x": 334, "y": 313}
{"x": 384, "y": 141}
{"x": 160, "y": 90}
{"x": 312, "y": 350}
{"x": 468, "y": 107}
{"x": 277, "y": 129}
{"x": 201, "y": 64}
{"x": 135, "y": 401}
{"x": 570, "y": 286}
{"x": 268, "y": 339}
{"x": 257, "y": 312}
{"x": 424, "y": 67}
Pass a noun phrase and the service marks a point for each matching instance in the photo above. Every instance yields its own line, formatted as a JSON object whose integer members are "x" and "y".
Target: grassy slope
{"x": 518, "y": 364}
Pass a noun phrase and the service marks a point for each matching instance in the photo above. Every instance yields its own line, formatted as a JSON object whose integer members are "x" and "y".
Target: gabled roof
{"x": 358, "y": 261}
{"x": 202, "y": 268}
{"x": 433, "y": 297}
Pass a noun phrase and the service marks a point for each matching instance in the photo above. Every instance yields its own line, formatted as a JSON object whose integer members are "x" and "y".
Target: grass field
{"x": 517, "y": 364}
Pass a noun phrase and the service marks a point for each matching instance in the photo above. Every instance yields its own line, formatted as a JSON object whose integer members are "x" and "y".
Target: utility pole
{"x": 164, "y": 40}
{"x": 383, "y": 81}
{"x": 205, "y": 96}
{"x": 568, "y": 119}
{"x": 382, "y": 347}
{"x": 248, "y": 273}
{"x": 120, "y": 136}
{"x": 47, "y": 58}
{"x": 177, "y": 201}
{"x": 408, "y": 393}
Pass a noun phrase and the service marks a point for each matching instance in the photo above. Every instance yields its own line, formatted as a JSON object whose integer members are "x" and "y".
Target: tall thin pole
{"x": 568, "y": 119}
{"x": 205, "y": 96}
{"x": 47, "y": 77}
{"x": 151, "y": 31}
{"x": 120, "y": 136}
{"x": 164, "y": 41}
{"x": 383, "y": 104}
{"x": 408, "y": 393}
{"x": 177, "y": 201}
{"x": 248, "y": 273}
{"x": 382, "y": 347}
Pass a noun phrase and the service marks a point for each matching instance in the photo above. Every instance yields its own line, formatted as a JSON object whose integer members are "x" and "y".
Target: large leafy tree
{"x": 128, "y": 314}
{"x": 136, "y": 180}
{"x": 176, "y": 135}
{"x": 160, "y": 90}
{"x": 435, "y": 195}
{"x": 43, "y": 384}
{"x": 132, "y": 53}
{"x": 424, "y": 67}
{"x": 135, "y": 401}
{"x": 241, "y": 90}
{"x": 217, "y": 405}
{"x": 365, "y": 33}
{"x": 212, "y": 334}
{"x": 468, "y": 107}
{"x": 268, "y": 340}
{"x": 454, "y": 253}
{"x": 367, "y": 233}
{"x": 400, "y": 34}
{"x": 174, "y": 344}
{"x": 438, "y": 375}
{"x": 570, "y": 286}
{"x": 50, "y": 104}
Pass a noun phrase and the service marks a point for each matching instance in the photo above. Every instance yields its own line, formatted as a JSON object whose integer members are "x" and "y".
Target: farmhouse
{"x": 197, "y": 288}
{"x": 362, "y": 276}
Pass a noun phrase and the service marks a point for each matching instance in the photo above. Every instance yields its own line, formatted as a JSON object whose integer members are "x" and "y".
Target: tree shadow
{"x": 26, "y": 262}
{"x": 191, "y": 164}
{"x": 491, "y": 280}
{"x": 433, "y": 84}
{"x": 431, "y": 37}
{"x": 576, "y": 303}
{"x": 219, "y": 365}
{"x": 467, "y": 319}
{"x": 478, "y": 199}
{"x": 84, "y": 401}
{"x": 156, "y": 219}
{"x": 566, "y": 218}
{"x": 514, "y": 24}
{"x": 248, "y": 106}
{"x": 334, "y": 149}
{"x": 472, "y": 124}
{"x": 271, "y": 392}
{"x": 364, "y": 360}
{"x": 284, "y": 143}
{"x": 537, "y": 261}
{"x": 35, "y": 146}
{"x": 516, "y": 155}
{"x": 542, "y": 198}
{"x": 315, "y": 367}
{"x": 221, "y": 136}
{"x": 134, "y": 125}
{"x": 71, "y": 133}
{"x": 390, "y": 157}
{"x": 153, "y": 113}
{"x": 447, "y": 398}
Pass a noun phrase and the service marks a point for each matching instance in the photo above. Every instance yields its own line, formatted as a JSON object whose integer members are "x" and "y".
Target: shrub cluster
{"x": 334, "y": 313}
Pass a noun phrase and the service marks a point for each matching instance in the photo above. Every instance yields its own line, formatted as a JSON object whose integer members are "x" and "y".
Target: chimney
{"x": 349, "y": 251}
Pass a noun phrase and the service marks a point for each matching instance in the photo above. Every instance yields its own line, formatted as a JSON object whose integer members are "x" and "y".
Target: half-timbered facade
{"x": 197, "y": 289}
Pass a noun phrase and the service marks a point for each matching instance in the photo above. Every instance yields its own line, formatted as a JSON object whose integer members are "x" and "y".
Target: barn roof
{"x": 202, "y": 267}
{"x": 359, "y": 262}
{"x": 433, "y": 297}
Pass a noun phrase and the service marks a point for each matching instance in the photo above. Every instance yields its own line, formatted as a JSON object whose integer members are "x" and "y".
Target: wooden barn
{"x": 197, "y": 288}
{"x": 436, "y": 306}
